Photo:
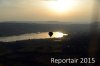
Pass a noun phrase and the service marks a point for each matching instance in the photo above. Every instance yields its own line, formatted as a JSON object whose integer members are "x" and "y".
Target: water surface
{"x": 38, "y": 35}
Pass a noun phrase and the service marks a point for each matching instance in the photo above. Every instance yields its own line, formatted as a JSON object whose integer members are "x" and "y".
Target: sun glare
{"x": 58, "y": 34}
{"x": 61, "y": 5}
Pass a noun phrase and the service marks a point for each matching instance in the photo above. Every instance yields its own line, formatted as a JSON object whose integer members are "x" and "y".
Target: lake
{"x": 38, "y": 35}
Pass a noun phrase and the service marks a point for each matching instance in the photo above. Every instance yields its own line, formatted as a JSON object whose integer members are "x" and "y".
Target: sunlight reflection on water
{"x": 39, "y": 35}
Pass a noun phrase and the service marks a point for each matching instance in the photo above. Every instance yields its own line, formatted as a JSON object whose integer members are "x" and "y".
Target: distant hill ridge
{"x": 7, "y": 29}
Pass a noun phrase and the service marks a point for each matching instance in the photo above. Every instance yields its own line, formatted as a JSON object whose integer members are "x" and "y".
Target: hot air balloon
{"x": 50, "y": 34}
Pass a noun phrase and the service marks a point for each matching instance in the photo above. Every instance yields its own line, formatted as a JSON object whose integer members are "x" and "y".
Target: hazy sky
{"x": 43, "y": 10}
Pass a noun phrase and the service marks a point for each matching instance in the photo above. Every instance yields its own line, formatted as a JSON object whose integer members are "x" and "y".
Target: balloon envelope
{"x": 50, "y": 34}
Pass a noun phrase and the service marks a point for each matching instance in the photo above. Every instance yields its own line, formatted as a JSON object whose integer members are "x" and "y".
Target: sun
{"x": 61, "y": 5}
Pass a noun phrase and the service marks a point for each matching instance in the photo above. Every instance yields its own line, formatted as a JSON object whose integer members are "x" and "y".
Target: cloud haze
{"x": 35, "y": 10}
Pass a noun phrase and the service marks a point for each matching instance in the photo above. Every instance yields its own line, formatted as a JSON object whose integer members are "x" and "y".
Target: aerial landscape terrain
{"x": 33, "y": 51}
